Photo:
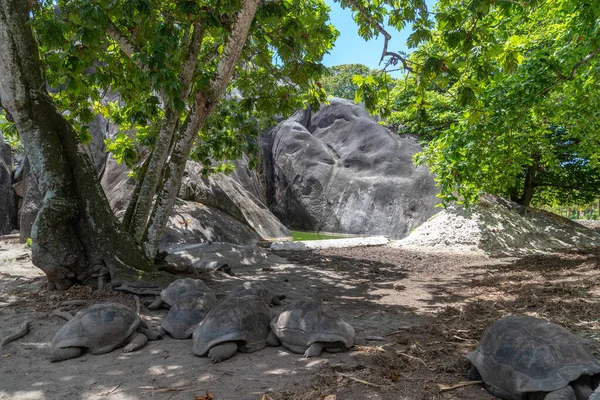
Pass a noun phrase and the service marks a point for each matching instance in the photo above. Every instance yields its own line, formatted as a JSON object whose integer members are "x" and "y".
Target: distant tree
{"x": 507, "y": 93}
{"x": 338, "y": 80}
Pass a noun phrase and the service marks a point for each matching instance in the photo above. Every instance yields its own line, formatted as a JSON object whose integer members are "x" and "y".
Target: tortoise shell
{"x": 191, "y": 308}
{"x": 171, "y": 293}
{"x": 522, "y": 354}
{"x": 244, "y": 320}
{"x": 252, "y": 288}
{"x": 99, "y": 328}
{"x": 303, "y": 323}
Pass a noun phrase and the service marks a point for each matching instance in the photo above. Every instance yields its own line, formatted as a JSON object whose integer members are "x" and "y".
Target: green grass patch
{"x": 299, "y": 235}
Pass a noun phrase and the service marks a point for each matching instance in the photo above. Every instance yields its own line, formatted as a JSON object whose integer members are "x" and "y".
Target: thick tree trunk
{"x": 75, "y": 235}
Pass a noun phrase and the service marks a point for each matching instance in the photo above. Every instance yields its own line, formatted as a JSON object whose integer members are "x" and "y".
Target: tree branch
{"x": 574, "y": 70}
{"x": 233, "y": 49}
{"x": 189, "y": 67}
{"x": 375, "y": 24}
{"x": 123, "y": 41}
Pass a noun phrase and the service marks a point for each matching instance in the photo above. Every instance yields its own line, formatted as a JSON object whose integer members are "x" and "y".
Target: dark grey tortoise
{"x": 170, "y": 294}
{"x": 238, "y": 323}
{"x": 191, "y": 308}
{"x": 526, "y": 358}
{"x": 257, "y": 289}
{"x": 308, "y": 328}
{"x": 101, "y": 328}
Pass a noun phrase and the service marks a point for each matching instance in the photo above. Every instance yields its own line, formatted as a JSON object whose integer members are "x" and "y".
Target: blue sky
{"x": 352, "y": 49}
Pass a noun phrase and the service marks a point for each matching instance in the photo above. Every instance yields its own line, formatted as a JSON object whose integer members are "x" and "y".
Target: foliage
{"x": 277, "y": 74}
{"x": 9, "y": 131}
{"x": 525, "y": 79}
{"x": 489, "y": 89}
{"x": 338, "y": 80}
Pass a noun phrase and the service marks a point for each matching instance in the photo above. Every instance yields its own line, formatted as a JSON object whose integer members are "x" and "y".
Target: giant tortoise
{"x": 256, "y": 289}
{"x": 170, "y": 294}
{"x": 238, "y": 323}
{"x": 526, "y": 358}
{"x": 191, "y": 308}
{"x": 307, "y": 327}
{"x": 100, "y": 328}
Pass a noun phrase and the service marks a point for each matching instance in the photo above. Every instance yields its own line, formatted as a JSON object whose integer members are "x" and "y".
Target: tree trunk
{"x": 205, "y": 102}
{"x": 75, "y": 235}
{"x": 530, "y": 182}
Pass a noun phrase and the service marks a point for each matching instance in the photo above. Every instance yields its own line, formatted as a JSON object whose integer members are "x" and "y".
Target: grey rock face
{"x": 190, "y": 222}
{"x": 224, "y": 193}
{"x": 8, "y": 199}
{"x": 99, "y": 128}
{"x": 340, "y": 171}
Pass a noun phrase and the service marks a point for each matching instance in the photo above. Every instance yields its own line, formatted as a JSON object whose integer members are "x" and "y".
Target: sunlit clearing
{"x": 22, "y": 395}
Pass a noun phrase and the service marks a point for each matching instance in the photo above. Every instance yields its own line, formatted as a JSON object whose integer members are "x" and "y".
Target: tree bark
{"x": 75, "y": 235}
{"x": 530, "y": 182}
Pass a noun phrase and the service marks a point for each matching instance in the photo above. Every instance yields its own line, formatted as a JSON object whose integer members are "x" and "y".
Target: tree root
{"x": 22, "y": 331}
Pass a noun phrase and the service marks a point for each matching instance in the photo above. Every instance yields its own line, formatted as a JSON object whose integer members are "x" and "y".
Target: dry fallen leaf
{"x": 330, "y": 397}
{"x": 6, "y": 355}
{"x": 266, "y": 397}
{"x": 207, "y": 396}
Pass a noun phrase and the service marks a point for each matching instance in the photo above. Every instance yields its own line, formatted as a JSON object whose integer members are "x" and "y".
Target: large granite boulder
{"x": 338, "y": 170}
{"x": 8, "y": 199}
{"x": 190, "y": 222}
{"x": 225, "y": 193}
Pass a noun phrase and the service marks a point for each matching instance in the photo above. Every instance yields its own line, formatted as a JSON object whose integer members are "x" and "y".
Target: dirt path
{"x": 416, "y": 315}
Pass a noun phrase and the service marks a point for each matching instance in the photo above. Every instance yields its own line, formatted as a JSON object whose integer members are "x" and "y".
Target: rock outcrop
{"x": 226, "y": 194}
{"x": 190, "y": 222}
{"x": 338, "y": 170}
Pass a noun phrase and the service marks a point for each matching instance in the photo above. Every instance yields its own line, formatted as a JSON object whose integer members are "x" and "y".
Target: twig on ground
{"x": 361, "y": 314}
{"x": 74, "y": 303}
{"x": 444, "y": 388}
{"x": 358, "y": 380}
{"x": 412, "y": 358}
{"x": 138, "y": 305}
{"x": 22, "y": 331}
{"x": 109, "y": 391}
{"x": 62, "y": 314}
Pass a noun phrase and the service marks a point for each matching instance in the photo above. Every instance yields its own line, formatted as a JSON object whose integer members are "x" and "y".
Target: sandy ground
{"x": 416, "y": 315}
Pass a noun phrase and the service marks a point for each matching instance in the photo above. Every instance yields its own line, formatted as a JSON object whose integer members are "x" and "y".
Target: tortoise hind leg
{"x": 222, "y": 351}
{"x": 314, "y": 350}
{"x": 566, "y": 393}
{"x": 135, "y": 342}
{"x": 473, "y": 374}
{"x": 65, "y": 354}
{"x": 272, "y": 340}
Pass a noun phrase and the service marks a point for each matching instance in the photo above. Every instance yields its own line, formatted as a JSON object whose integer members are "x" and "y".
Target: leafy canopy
{"x": 504, "y": 94}
{"x": 139, "y": 49}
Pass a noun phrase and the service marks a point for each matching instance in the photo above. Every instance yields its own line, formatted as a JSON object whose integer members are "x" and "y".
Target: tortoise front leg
{"x": 135, "y": 342}
{"x": 222, "y": 351}
{"x": 566, "y": 393}
{"x": 151, "y": 334}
